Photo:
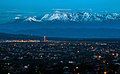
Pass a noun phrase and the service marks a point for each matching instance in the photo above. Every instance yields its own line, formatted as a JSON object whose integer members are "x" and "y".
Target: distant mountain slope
{"x": 6, "y": 36}
{"x": 75, "y": 32}
{"x": 17, "y": 36}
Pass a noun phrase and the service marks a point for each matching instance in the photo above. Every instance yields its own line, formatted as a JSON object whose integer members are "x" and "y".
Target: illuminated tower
{"x": 45, "y": 40}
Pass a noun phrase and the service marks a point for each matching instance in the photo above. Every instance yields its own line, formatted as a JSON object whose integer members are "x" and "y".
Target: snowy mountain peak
{"x": 32, "y": 19}
{"x": 57, "y": 15}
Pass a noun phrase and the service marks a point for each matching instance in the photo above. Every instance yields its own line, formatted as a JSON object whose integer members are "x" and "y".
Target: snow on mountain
{"x": 72, "y": 16}
{"x": 80, "y": 16}
{"x": 86, "y": 16}
{"x": 17, "y": 18}
{"x": 32, "y": 19}
{"x": 57, "y": 15}
{"x": 45, "y": 17}
{"x": 113, "y": 16}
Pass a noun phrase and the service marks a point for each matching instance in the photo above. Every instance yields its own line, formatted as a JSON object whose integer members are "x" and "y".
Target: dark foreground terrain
{"x": 60, "y": 57}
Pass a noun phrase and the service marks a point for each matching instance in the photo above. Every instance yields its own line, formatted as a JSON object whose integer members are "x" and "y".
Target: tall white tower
{"x": 45, "y": 39}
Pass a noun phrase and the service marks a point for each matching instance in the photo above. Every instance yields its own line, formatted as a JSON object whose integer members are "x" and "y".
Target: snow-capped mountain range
{"x": 62, "y": 24}
{"x": 71, "y": 16}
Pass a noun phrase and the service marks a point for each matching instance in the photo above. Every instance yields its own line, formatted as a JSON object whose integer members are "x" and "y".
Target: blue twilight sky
{"x": 37, "y": 5}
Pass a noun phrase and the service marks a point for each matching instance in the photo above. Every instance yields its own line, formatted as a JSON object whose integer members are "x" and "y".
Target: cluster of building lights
{"x": 24, "y": 41}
